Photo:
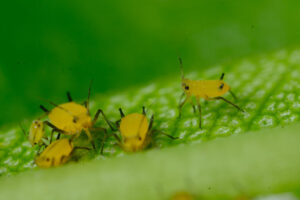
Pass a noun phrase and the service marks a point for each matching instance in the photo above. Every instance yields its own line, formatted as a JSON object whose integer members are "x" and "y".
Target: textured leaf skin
{"x": 267, "y": 87}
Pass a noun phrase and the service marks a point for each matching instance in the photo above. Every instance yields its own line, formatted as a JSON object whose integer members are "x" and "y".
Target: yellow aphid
{"x": 57, "y": 153}
{"x": 206, "y": 89}
{"x": 136, "y": 131}
{"x": 72, "y": 118}
{"x": 36, "y": 132}
{"x": 182, "y": 196}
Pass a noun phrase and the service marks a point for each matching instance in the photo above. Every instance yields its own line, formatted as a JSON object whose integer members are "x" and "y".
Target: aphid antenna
{"x": 69, "y": 96}
{"x": 121, "y": 112}
{"x": 140, "y": 125}
{"x": 43, "y": 115}
{"x": 181, "y": 67}
{"x": 89, "y": 95}
{"x": 54, "y": 104}
{"x": 22, "y": 128}
{"x": 222, "y": 76}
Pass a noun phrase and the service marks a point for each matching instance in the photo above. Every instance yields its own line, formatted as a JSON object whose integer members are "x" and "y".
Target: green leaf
{"x": 267, "y": 87}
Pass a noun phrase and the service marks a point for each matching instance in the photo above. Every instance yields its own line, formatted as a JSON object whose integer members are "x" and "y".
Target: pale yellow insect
{"x": 72, "y": 118}
{"x": 206, "y": 89}
{"x": 57, "y": 153}
{"x": 136, "y": 131}
{"x": 36, "y": 133}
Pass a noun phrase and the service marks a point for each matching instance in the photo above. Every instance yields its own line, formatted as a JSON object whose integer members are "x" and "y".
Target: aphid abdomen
{"x": 55, "y": 154}
{"x": 196, "y": 88}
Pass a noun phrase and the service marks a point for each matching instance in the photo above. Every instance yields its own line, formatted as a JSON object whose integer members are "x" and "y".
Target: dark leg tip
{"x": 93, "y": 144}
{"x": 200, "y": 126}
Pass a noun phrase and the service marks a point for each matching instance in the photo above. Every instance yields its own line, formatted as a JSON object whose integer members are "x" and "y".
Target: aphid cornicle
{"x": 136, "y": 131}
{"x": 57, "y": 153}
{"x": 206, "y": 89}
{"x": 72, "y": 118}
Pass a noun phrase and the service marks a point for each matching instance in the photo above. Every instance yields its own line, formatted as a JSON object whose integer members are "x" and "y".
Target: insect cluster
{"x": 133, "y": 132}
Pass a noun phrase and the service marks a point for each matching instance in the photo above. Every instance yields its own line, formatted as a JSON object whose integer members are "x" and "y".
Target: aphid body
{"x": 206, "y": 89}
{"x": 72, "y": 118}
{"x": 134, "y": 129}
{"x": 36, "y": 132}
{"x": 57, "y": 153}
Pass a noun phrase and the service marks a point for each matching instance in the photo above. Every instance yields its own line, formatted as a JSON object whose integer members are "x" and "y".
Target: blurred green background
{"x": 49, "y": 47}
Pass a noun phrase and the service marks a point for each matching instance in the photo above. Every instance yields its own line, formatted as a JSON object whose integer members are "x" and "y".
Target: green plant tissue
{"x": 267, "y": 87}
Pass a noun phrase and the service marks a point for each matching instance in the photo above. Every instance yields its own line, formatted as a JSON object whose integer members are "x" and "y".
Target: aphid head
{"x": 222, "y": 87}
{"x": 83, "y": 120}
{"x": 185, "y": 84}
{"x": 133, "y": 144}
{"x": 43, "y": 161}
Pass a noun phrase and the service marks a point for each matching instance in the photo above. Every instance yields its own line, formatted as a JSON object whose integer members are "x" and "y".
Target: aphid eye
{"x": 140, "y": 138}
{"x": 47, "y": 159}
{"x": 74, "y": 120}
{"x": 221, "y": 86}
{"x": 187, "y": 87}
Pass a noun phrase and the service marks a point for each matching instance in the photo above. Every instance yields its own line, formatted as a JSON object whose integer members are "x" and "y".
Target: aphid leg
{"x": 89, "y": 94}
{"x": 51, "y": 137}
{"x": 105, "y": 118}
{"x": 121, "y": 112}
{"x": 144, "y": 110}
{"x": 200, "y": 113}
{"x": 181, "y": 68}
{"x": 23, "y": 130}
{"x": 85, "y": 105}
{"x": 227, "y": 101}
{"x": 69, "y": 96}
{"x": 233, "y": 95}
{"x": 44, "y": 109}
{"x": 194, "y": 107}
{"x": 118, "y": 123}
{"x": 181, "y": 105}
{"x": 117, "y": 138}
{"x": 58, "y": 136}
{"x": 105, "y": 135}
{"x": 170, "y": 136}
{"x": 151, "y": 122}
{"x": 54, "y": 127}
{"x": 181, "y": 97}
{"x": 103, "y": 142}
{"x": 87, "y": 132}
{"x": 39, "y": 150}
{"x": 85, "y": 148}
